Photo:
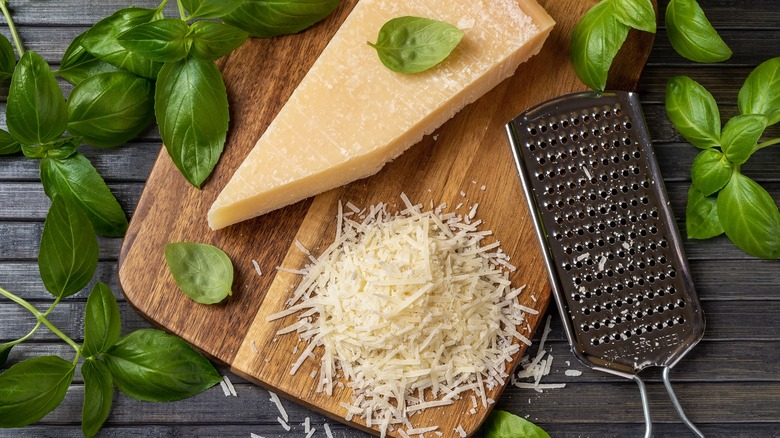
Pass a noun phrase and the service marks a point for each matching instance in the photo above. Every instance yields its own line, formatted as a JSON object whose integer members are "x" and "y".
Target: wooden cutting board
{"x": 466, "y": 154}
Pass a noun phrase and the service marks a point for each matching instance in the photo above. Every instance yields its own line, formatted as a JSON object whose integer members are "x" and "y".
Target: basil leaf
{"x": 8, "y": 144}
{"x": 161, "y": 40}
{"x": 31, "y": 389}
{"x": 7, "y": 59}
{"x": 692, "y": 35}
{"x": 101, "y": 41}
{"x": 191, "y": 106}
{"x": 637, "y": 14}
{"x": 210, "y": 8}
{"x": 211, "y": 41}
{"x": 150, "y": 365}
{"x": 68, "y": 255}
{"x": 693, "y": 112}
{"x": 5, "y": 350}
{"x": 98, "y": 396}
{"x": 75, "y": 178}
{"x": 701, "y": 215}
{"x": 109, "y": 109}
{"x": 268, "y": 18}
{"x": 711, "y": 171}
{"x": 36, "y": 108}
{"x": 415, "y": 44}
{"x": 102, "y": 324}
{"x": 750, "y": 217}
{"x": 595, "y": 41}
{"x": 760, "y": 94}
{"x": 203, "y": 272}
{"x": 740, "y": 136}
{"x": 77, "y": 64}
{"x": 502, "y": 424}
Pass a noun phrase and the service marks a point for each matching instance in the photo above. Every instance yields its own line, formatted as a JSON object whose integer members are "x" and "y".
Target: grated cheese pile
{"x": 410, "y": 309}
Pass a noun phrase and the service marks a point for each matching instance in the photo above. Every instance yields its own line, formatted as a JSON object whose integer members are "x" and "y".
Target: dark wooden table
{"x": 729, "y": 384}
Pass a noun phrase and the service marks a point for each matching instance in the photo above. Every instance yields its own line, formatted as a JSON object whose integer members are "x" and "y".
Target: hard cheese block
{"x": 350, "y": 114}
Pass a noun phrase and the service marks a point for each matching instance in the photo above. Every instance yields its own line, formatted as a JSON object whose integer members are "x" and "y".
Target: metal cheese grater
{"x": 608, "y": 235}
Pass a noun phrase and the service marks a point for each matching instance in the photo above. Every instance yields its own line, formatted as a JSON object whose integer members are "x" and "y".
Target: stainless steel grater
{"x": 609, "y": 238}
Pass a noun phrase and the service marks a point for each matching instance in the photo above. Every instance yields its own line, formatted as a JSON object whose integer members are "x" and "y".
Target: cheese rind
{"x": 350, "y": 115}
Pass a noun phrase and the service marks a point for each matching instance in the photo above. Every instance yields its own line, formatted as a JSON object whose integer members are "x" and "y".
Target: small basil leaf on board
{"x": 502, "y": 424}
{"x": 740, "y": 136}
{"x": 211, "y": 41}
{"x": 595, "y": 41}
{"x": 36, "y": 108}
{"x": 108, "y": 109}
{"x": 31, "y": 389}
{"x": 210, "y": 8}
{"x": 160, "y": 40}
{"x": 191, "y": 107}
{"x": 77, "y": 64}
{"x": 8, "y": 144}
{"x": 750, "y": 217}
{"x": 5, "y": 350}
{"x": 692, "y": 35}
{"x": 637, "y": 14}
{"x": 203, "y": 272}
{"x": 68, "y": 255}
{"x": 75, "y": 178}
{"x": 711, "y": 171}
{"x": 98, "y": 396}
{"x": 102, "y": 324}
{"x": 101, "y": 41}
{"x": 7, "y": 59}
{"x": 269, "y": 18}
{"x": 693, "y": 112}
{"x": 150, "y": 365}
{"x": 760, "y": 94}
{"x": 415, "y": 44}
{"x": 701, "y": 215}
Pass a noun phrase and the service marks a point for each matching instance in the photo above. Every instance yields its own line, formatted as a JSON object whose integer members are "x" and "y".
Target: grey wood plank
{"x": 21, "y": 241}
{"x": 743, "y": 40}
{"x": 27, "y": 201}
{"x": 23, "y": 279}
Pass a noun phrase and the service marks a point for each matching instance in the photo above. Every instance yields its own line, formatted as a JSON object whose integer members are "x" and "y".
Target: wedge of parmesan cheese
{"x": 350, "y": 114}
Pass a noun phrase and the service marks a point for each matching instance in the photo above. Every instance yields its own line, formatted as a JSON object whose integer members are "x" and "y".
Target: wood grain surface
{"x": 466, "y": 153}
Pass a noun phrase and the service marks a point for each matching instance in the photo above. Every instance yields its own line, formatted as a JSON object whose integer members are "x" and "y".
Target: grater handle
{"x": 676, "y": 403}
{"x": 645, "y": 406}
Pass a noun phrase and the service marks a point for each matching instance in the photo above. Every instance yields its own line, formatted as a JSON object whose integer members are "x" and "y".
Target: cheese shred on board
{"x": 411, "y": 309}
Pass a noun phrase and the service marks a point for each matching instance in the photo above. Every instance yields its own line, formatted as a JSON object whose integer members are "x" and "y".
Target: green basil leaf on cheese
{"x": 210, "y": 8}
{"x": 191, "y": 107}
{"x": 740, "y": 136}
{"x": 415, "y": 44}
{"x": 691, "y": 33}
{"x": 750, "y": 217}
{"x": 8, "y": 144}
{"x": 269, "y": 18}
{"x": 203, "y": 272}
{"x": 75, "y": 178}
{"x": 77, "y": 64}
{"x": 98, "y": 396}
{"x": 637, "y": 14}
{"x": 595, "y": 41}
{"x": 760, "y": 94}
{"x": 160, "y": 40}
{"x": 7, "y": 59}
{"x": 108, "y": 109}
{"x": 101, "y": 41}
{"x": 502, "y": 424}
{"x": 711, "y": 171}
{"x": 211, "y": 41}
{"x": 102, "y": 324}
{"x": 693, "y": 112}
{"x": 701, "y": 215}
{"x": 151, "y": 365}
{"x": 68, "y": 255}
{"x": 31, "y": 389}
{"x": 36, "y": 110}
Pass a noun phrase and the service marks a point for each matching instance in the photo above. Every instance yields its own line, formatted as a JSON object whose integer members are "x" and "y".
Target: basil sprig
{"x": 502, "y": 424}
{"x": 415, "y": 44}
{"x": 721, "y": 198}
{"x": 203, "y": 272}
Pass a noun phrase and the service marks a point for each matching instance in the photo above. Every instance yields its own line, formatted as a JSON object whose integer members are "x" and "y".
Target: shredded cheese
{"x": 410, "y": 308}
